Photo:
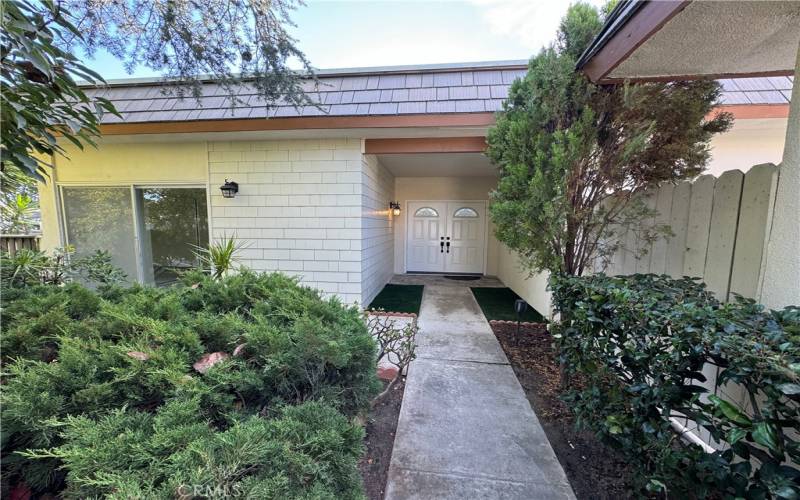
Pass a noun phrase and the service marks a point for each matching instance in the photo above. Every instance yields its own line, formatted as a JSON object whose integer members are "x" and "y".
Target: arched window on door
{"x": 465, "y": 213}
{"x": 426, "y": 212}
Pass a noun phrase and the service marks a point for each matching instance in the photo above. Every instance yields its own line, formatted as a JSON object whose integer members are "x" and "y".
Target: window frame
{"x": 136, "y": 212}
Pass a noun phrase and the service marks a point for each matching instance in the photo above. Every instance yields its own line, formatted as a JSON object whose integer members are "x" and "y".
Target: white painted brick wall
{"x": 299, "y": 210}
{"x": 377, "y": 232}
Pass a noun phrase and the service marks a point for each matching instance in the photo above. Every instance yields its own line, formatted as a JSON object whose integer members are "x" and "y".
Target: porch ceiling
{"x": 690, "y": 39}
{"x": 438, "y": 165}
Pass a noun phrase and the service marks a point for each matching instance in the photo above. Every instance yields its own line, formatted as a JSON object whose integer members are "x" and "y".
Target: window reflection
{"x": 174, "y": 224}
{"x": 465, "y": 212}
{"x": 426, "y": 212}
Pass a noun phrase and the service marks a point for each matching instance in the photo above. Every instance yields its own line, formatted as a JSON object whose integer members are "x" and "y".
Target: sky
{"x": 359, "y": 33}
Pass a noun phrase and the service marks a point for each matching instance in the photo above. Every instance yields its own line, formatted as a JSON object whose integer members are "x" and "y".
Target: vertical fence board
{"x": 658, "y": 251}
{"x": 644, "y": 249}
{"x": 629, "y": 249}
{"x": 719, "y": 227}
{"x": 758, "y": 196}
{"x": 613, "y": 266}
{"x": 720, "y": 230}
{"x": 12, "y": 243}
{"x": 679, "y": 222}
{"x": 694, "y": 259}
{"x": 722, "y": 233}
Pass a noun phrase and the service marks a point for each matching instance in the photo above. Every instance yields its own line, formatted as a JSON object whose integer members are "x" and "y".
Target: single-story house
{"x": 386, "y": 176}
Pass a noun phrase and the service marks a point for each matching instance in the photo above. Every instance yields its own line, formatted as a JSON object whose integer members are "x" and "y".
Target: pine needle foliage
{"x": 101, "y": 397}
{"x": 49, "y": 96}
{"x": 574, "y": 156}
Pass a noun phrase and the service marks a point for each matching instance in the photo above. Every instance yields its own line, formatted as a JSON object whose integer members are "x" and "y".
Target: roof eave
{"x": 629, "y": 25}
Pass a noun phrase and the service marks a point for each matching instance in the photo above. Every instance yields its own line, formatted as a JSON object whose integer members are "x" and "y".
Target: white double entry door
{"x": 446, "y": 236}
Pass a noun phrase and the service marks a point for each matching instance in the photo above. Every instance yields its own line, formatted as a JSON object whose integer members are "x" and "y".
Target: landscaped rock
{"x": 522, "y": 323}
{"x": 387, "y": 373}
{"x": 141, "y": 356}
{"x": 208, "y": 360}
{"x": 381, "y": 312}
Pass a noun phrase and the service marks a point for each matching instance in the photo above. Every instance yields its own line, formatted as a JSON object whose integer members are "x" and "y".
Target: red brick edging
{"x": 389, "y": 313}
{"x": 509, "y": 322}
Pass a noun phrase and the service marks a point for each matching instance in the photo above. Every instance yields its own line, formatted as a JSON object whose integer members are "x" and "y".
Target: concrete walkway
{"x": 466, "y": 429}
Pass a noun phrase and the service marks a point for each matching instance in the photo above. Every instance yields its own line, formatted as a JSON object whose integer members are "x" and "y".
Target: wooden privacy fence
{"x": 11, "y": 243}
{"x": 720, "y": 230}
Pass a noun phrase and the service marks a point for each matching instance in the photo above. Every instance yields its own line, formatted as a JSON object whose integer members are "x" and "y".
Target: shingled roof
{"x": 762, "y": 90}
{"x": 398, "y": 90}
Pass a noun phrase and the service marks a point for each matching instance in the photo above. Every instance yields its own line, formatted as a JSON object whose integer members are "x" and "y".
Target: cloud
{"x": 533, "y": 23}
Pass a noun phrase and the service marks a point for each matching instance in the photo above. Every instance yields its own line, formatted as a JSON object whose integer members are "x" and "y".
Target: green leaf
{"x": 765, "y": 434}
{"x": 730, "y": 411}
{"x": 735, "y": 435}
{"x": 655, "y": 485}
{"x": 787, "y": 492}
{"x": 789, "y": 389}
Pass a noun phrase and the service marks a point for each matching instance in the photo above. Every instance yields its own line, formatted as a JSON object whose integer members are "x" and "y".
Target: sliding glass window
{"x": 151, "y": 232}
{"x": 101, "y": 218}
{"x": 174, "y": 223}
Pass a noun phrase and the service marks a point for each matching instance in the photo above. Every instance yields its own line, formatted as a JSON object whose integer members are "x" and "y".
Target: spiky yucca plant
{"x": 220, "y": 257}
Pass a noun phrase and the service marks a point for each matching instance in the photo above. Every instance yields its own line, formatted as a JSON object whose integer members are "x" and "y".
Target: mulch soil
{"x": 381, "y": 427}
{"x": 594, "y": 470}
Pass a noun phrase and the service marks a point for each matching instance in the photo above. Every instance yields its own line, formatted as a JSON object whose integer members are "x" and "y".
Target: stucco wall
{"x": 377, "y": 234}
{"x": 119, "y": 164}
{"x": 132, "y": 163}
{"x": 749, "y": 142}
{"x": 532, "y": 288}
{"x": 442, "y": 188}
{"x": 781, "y": 284}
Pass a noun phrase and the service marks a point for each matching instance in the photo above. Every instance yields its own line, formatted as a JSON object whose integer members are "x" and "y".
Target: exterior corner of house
{"x": 781, "y": 286}
{"x": 48, "y": 206}
{"x": 377, "y": 223}
{"x": 532, "y": 288}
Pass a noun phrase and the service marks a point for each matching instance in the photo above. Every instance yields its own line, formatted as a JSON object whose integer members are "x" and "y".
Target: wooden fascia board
{"x": 302, "y": 123}
{"x": 426, "y": 145}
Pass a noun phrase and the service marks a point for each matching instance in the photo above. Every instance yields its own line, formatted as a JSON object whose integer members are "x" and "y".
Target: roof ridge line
{"x": 334, "y": 72}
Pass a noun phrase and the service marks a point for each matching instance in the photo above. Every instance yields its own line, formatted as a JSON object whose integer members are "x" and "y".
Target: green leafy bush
{"x": 29, "y": 267}
{"x": 640, "y": 344}
{"x": 79, "y": 362}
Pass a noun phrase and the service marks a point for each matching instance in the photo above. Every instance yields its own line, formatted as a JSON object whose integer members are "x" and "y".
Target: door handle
{"x": 448, "y": 245}
{"x": 441, "y": 247}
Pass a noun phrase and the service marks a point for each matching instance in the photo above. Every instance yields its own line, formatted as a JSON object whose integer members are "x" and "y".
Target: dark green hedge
{"x": 637, "y": 346}
{"x": 103, "y": 384}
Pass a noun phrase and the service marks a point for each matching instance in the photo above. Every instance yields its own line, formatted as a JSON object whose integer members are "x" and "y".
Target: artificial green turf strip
{"x": 498, "y": 303}
{"x": 398, "y": 298}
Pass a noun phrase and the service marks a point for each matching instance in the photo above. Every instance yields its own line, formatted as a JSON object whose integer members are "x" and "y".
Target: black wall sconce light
{"x": 229, "y": 189}
{"x": 395, "y": 208}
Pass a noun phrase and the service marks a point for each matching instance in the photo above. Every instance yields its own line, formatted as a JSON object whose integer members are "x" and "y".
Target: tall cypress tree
{"x": 573, "y": 156}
